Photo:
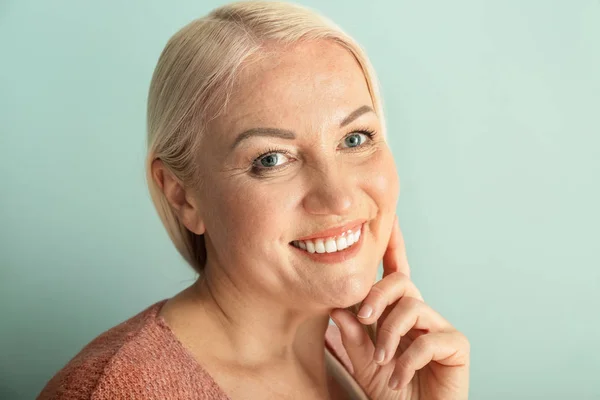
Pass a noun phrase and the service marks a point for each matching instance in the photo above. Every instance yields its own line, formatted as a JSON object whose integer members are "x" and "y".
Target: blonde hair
{"x": 192, "y": 82}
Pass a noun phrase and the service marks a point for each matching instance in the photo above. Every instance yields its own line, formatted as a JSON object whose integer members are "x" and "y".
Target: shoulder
{"x": 117, "y": 362}
{"x": 333, "y": 341}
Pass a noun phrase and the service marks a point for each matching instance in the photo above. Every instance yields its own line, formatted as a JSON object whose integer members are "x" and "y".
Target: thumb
{"x": 355, "y": 339}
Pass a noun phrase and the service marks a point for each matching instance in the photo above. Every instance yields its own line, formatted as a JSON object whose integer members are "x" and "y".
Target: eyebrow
{"x": 287, "y": 134}
{"x": 355, "y": 114}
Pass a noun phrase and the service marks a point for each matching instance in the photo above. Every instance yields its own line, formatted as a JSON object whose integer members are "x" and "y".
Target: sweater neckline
{"x": 335, "y": 365}
{"x": 162, "y": 323}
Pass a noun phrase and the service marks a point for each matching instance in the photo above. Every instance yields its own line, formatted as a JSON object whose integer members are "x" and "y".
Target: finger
{"x": 408, "y": 314}
{"x": 355, "y": 339}
{"x": 394, "y": 258}
{"x": 383, "y": 294}
{"x": 450, "y": 349}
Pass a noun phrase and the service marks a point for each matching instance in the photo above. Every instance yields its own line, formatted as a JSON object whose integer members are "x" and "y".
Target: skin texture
{"x": 267, "y": 303}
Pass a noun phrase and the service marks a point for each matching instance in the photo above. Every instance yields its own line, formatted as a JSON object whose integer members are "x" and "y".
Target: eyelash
{"x": 262, "y": 170}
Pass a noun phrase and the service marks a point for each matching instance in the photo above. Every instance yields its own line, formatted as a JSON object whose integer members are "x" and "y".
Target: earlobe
{"x": 192, "y": 220}
{"x": 182, "y": 203}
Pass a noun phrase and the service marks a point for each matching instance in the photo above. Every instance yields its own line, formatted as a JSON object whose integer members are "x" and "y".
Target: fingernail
{"x": 393, "y": 384}
{"x": 365, "y": 311}
{"x": 379, "y": 355}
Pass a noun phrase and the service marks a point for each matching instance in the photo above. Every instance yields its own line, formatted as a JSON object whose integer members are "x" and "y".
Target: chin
{"x": 351, "y": 290}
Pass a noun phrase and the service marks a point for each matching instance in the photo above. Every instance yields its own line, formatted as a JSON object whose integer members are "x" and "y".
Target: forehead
{"x": 312, "y": 83}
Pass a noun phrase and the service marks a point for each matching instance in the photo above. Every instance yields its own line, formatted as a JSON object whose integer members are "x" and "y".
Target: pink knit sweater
{"x": 142, "y": 359}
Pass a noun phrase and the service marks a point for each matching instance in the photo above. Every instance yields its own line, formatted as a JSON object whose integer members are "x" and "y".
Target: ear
{"x": 183, "y": 203}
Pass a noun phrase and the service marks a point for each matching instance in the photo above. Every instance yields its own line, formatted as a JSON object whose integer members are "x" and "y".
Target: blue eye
{"x": 357, "y": 139}
{"x": 353, "y": 140}
{"x": 271, "y": 160}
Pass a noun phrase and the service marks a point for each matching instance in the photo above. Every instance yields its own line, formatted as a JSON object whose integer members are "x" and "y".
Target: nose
{"x": 330, "y": 193}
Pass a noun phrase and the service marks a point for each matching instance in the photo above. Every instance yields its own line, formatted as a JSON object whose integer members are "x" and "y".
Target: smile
{"x": 329, "y": 244}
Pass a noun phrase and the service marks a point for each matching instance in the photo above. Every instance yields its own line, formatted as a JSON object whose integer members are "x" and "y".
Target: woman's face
{"x": 291, "y": 157}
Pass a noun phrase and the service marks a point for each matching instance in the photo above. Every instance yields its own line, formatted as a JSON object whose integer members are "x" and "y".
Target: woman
{"x": 269, "y": 167}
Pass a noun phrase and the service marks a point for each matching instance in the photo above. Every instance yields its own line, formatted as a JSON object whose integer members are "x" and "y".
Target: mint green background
{"x": 493, "y": 110}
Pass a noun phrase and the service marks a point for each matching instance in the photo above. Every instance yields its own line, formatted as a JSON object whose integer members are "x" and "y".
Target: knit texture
{"x": 141, "y": 358}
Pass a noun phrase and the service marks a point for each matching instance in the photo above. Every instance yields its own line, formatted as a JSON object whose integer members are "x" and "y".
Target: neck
{"x": 257, "y": 333}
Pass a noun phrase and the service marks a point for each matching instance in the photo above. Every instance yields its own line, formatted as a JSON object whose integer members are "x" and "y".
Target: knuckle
{"x": 400, "y": 278}
{"x": 377, "y": 293}
{"x": 465, "y": 341}
{"x": 404, "y": 362}
{"x": 386, "y": 331}
{"x": 409, "y": 287}
{"x": 377, "y": 298}
{"x": 410, "y": 303}
{"x": 423, "y": 343}
{"x": 400, "y": 275}
{"x": 413, "y": 291}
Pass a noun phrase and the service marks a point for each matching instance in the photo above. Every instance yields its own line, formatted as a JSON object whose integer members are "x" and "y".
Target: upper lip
{"x": 336, "y": 231}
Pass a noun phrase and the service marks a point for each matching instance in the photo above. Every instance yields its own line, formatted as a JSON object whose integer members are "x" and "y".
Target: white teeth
{"x": 340, "y": 243}
{"x": 328, "y": 245}
{"x": 350, "y": 239}
{"x": 319, "y": 246}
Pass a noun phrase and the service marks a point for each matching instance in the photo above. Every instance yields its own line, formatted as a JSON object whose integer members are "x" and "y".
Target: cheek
{"x": 245, "y": 210}
{"x": 383, "y": 187}
{"x": 381, "y": 182}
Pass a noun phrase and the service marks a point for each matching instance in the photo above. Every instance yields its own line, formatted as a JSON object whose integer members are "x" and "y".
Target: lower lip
{"x": 337, "y": 256}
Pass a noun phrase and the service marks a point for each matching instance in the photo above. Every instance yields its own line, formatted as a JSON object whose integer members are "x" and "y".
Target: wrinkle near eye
{"x": 233, "y": 171}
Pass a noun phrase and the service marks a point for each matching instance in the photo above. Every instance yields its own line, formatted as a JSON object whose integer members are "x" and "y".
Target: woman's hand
{"x": 418, "y": 354}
